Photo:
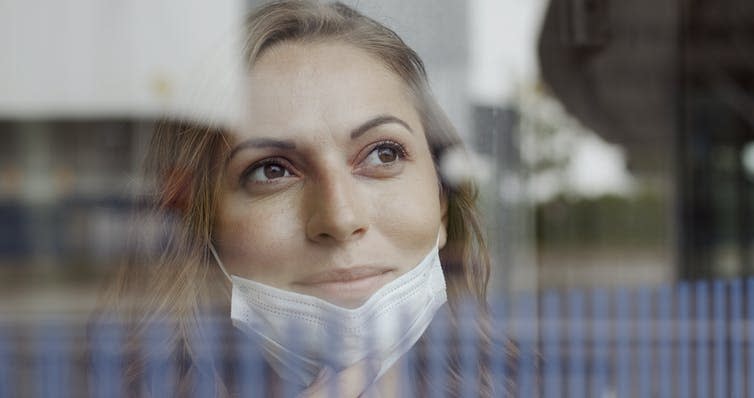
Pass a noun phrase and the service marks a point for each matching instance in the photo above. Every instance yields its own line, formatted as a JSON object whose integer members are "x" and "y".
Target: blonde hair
{"x": 179, "y": 279}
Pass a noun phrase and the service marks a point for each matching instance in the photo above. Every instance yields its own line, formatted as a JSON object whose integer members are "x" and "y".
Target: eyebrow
{"x": 262, "y": 143}
{"x": 289, "y": 144}
{"x": 377, "y": 121}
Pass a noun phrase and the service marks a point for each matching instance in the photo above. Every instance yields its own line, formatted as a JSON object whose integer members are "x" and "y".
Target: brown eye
{"x": 267, "y": 172}
{"x": 273, "y": 171}
{"x": 387, "y": 155}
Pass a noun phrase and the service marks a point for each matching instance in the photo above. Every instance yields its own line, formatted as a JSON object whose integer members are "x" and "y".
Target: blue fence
{"x": 684, "y": 340}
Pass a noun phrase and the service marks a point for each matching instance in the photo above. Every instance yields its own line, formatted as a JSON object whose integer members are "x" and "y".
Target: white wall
{"x": 142, "y": 58}
{"x": 91, "y": 58}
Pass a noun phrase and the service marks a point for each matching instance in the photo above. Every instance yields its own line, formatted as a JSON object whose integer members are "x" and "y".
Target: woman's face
{"x": 330, "y": 190}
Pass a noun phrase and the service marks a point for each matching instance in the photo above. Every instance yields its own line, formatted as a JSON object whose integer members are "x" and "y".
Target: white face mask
{"x": 300, "y": 334}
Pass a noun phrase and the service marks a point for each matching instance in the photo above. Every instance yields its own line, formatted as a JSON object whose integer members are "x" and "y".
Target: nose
{"x": 336, "y": 214}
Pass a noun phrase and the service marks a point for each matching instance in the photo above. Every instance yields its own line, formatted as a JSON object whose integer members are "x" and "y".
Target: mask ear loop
{"x": 220, "y": 263}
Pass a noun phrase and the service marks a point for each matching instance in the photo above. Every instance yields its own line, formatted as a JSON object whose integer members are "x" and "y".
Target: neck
{"x": 389, "y": 385}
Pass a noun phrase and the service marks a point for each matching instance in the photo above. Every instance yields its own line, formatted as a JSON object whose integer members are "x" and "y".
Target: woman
{"x": 331, "y": 192}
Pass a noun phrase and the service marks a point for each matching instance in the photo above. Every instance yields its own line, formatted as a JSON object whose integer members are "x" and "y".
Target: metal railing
{"x": 684, "y": 340}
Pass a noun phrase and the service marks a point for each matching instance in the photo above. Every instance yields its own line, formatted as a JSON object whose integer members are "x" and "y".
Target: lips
{"x": 347, "y": 287}
{"x": 344, "y": 275}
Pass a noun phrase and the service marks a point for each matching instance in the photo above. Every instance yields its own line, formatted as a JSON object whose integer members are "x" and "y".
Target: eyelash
{"x": 264, "y": 162}
{"x": 398, "y": 147}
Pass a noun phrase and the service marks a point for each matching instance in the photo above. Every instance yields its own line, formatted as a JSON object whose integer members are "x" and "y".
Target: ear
{"x": 443, "y": 238}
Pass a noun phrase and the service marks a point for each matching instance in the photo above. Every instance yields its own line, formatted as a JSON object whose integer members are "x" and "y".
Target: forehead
{"x": 302, "y": 59}
{"x": 297, "y": 86}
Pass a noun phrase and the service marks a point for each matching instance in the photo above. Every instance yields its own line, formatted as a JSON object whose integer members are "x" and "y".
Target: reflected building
{"x": 672, "y": 83}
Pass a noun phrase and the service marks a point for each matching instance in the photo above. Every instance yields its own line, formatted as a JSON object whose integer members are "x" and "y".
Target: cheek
{"x": 251, "y": 237}
{"x": 410, "y": 215}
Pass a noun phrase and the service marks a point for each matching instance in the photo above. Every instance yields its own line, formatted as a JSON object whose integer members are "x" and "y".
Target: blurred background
{"x": 614, "y": 139}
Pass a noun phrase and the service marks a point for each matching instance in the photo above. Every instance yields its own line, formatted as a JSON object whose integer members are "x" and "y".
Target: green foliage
{"x": 622, "y": 221}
